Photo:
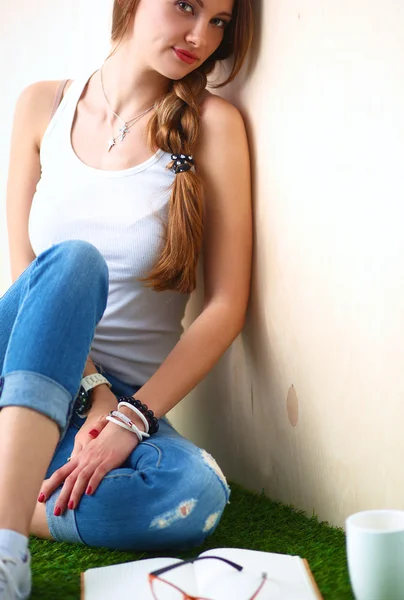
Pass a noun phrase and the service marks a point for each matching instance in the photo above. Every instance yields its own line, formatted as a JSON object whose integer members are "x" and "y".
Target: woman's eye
{"x": 220, "y": 23}
{"x": 186, "y": 7}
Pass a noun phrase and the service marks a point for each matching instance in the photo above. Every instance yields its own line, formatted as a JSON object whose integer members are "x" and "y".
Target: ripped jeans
{"x": 169, "y": 493}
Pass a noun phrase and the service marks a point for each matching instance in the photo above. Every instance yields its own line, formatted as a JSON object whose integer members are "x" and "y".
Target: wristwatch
{"x": 83, "y": 400}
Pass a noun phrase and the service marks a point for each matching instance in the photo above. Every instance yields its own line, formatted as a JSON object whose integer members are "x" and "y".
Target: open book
{"x": 288, "y": 578}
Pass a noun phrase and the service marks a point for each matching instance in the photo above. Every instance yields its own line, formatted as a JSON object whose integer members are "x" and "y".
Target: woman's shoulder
{"x": 219, "y": 117}
{"x": 215, "y": 108}
{"x": 41, "y": 94}
{"x": 222, "y": 123}
{"x": 36, "y": 103}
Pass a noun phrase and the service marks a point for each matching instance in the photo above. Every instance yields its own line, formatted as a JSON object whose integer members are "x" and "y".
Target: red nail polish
{"x": 89, "y": 490}
{"x": 71, "y": 505}
{"x": 94, "y": 433}
{"x": 41, "y": 497}
{"x": 58, "y": 511}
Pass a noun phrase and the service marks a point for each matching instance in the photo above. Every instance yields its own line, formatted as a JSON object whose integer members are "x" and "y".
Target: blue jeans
{"x": 169, "y": 493}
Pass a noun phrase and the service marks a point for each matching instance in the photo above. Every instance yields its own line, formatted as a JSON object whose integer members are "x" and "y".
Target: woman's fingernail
{"x": 58, "y": 511}
{"x": 71, "y": 505}
{"x": 94, "y": 433}
{"x": 41, "y": 497}
{"x": 89, "y": 490}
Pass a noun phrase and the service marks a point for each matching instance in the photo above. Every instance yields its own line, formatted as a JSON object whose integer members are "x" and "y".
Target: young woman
{"x": 110, "y": 203}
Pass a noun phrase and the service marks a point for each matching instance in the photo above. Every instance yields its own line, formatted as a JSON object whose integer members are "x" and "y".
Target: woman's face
{"x": 175, "y": 38}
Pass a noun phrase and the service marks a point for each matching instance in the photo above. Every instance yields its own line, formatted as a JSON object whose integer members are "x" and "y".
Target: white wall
{"x": 45, "y": 39}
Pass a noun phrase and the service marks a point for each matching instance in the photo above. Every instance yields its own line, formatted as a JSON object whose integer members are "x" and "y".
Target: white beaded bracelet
{"x": 129, "y": 422}
{"x": 137, "y": 411}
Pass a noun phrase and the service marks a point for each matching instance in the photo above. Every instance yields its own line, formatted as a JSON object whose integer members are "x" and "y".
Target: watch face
{"x": 83, "y": 402}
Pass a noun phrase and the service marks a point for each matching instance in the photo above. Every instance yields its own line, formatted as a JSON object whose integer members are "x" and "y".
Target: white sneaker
{"x": 15, "y": 576}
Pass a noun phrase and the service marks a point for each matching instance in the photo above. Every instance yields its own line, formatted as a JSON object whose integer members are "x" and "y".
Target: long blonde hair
{"x": 175, "y": 127}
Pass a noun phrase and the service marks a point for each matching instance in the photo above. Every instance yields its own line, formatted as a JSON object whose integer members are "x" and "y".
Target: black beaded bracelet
{"x": 145, "y": 410}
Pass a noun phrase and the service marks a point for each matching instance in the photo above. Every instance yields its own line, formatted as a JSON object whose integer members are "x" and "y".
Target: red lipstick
{"x": 185, "y": 56}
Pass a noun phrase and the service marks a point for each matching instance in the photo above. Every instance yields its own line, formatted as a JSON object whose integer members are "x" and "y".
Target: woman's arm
{"x": 31, "y": 118}
{"x": 23, "y": 176}
{"x": 222, "y": 160}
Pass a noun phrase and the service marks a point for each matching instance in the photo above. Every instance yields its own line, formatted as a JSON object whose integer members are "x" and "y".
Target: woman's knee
{"x": 81, "y": 257}
{"x": 200, "y": 496}
{"x": 75, "y": 268}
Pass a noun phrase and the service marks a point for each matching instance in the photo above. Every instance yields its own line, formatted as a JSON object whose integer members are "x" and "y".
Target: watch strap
{"x": 91, "y": 381}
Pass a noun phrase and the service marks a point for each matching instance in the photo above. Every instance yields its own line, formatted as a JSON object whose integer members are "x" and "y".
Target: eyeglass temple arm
{"x": 192, "y": 560}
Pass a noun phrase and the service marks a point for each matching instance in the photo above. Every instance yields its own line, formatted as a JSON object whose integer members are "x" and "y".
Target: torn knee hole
{"x": 183, "y": 510}
{"x": 210, "y": 461}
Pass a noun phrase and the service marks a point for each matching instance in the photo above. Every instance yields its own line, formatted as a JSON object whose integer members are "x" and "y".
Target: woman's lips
{"x": 185, "y": 57}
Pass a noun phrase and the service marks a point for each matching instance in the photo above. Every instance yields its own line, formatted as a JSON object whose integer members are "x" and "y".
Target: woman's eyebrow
{"x": 201, "y": 4}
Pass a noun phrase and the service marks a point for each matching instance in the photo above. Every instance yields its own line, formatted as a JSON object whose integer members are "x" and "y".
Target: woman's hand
{"x": 89, "y": 466}
{"x": 103, "y": 402}
{"x": 91, "y": 429}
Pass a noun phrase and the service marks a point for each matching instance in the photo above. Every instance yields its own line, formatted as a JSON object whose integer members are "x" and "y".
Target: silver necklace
{"x": 125, "y": 129}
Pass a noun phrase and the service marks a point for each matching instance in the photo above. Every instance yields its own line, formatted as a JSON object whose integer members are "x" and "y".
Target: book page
{"x": 127, "y": 581}
{"x": 287, "y": 575}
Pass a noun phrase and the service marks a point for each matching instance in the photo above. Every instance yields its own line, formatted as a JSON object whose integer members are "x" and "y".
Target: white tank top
{"x": 120, "y": 213}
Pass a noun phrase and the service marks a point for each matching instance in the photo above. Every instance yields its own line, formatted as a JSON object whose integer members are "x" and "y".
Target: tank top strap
{"x": 58, "y": 97}
{"x": 62, "y": 119}
{"x": 75, "y": 92}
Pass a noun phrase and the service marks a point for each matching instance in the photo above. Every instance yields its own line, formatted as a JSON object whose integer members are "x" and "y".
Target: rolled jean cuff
{"x": 38, "y": 392}
{"x": 63, "y": 528}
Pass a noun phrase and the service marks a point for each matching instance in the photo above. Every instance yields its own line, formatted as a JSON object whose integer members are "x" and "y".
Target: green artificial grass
{"x": 249, "y": 521}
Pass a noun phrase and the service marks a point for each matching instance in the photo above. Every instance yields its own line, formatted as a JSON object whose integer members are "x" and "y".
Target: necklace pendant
{"x": 124, "y": 131}
{"x": 111, "y": 144}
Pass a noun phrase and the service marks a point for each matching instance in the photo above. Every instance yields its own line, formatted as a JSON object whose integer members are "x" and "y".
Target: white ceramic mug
{"x": 375, "y": 551}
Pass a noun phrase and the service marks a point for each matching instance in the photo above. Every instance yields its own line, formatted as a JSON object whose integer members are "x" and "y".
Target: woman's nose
{"x": 198, "y": 36}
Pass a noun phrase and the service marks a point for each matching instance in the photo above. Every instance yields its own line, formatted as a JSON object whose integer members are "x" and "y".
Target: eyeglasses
{"x": 165, "y": 590}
